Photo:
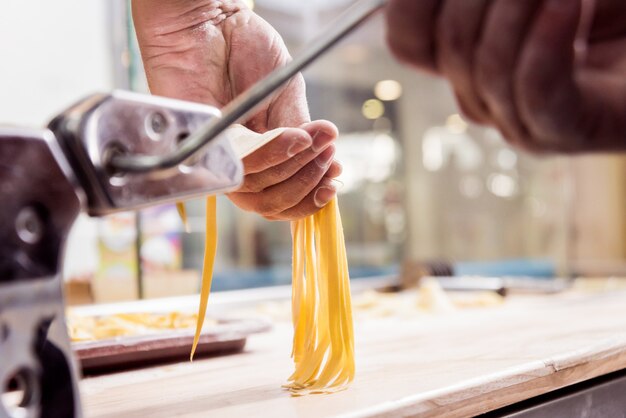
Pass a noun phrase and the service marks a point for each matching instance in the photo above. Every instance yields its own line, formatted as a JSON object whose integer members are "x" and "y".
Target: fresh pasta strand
{"x": 323, "y": 345}
{"x": 323, "y": 342}
{"x": 210, "y": 249}
{"x": 182, "y": 212}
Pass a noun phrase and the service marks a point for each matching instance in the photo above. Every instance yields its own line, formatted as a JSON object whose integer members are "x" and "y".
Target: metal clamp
{"x": 103, "y": 127}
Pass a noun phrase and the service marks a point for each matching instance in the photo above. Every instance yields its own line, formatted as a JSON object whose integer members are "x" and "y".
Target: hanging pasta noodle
{"x": 210, "y": 249}
{"x": 323, "y": 343}
{"x": 182, "y": 212}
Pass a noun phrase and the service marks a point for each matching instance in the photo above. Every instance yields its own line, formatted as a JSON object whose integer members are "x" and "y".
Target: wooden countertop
{"x": 452, "y": 365}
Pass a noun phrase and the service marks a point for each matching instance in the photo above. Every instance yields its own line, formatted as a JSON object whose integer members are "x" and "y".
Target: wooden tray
{"x": 228, "y": 336}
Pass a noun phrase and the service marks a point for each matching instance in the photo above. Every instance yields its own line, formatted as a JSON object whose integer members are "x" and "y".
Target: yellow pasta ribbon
{"x": 323, "y": 344}
{"x": 182, "y": 212}
{"x": 210, "y": 249}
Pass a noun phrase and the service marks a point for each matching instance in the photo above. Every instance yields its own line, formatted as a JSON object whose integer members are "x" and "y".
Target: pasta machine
{"x": 107, "y": 153}
{"x": 46, "y": 178}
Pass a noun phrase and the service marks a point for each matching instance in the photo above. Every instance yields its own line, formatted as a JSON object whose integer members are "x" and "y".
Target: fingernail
{"x": 297, "y": 146}
{"x": 337, "y": 184}
{"x": 325, "y": 158}
{"x": 323, "y": 195}
{"x": 339, "y": 167}
{"x": 321, "y": 141}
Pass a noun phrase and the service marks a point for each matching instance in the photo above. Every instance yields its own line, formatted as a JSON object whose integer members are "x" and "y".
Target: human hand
{"x": 210, "y": 51}
{"x": 549, "y": 74}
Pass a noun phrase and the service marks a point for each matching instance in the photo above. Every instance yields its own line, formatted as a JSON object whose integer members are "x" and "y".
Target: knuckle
{"x": 492, "y": 71}
{"x": 454, "y": 41}
{"x": 307, "y": 181}
{"x": 265, "y": 159}
{"x": 266, "y": 206}
{"x": 268, "y": 159}
{"x": 485, "y": 67}
{"x": 298, "y": 212}
{"x": 547, "y": 116}
{"x": 240, "y": 200}
{"x": 472, "y": 108}
{"x": 252, "y": 185}
{"x": 298, "y": 161}
{"x": 530, "y": 88}
{"x": 399, "y": 50}
{"x": 409, "y": 52}
{"x": 279, "y": 173}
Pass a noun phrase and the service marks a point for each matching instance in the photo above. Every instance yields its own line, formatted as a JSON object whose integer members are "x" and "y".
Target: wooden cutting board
{"x": 459, "y": 364}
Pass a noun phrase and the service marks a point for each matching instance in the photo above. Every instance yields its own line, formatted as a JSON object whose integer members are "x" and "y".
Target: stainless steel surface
{"x": 124, "y": 123}
{"x": 29, "y": 225}
{"x": 39, "y": 206}
{"x": 246, "y": 103}
{"x": 46, "y": 177}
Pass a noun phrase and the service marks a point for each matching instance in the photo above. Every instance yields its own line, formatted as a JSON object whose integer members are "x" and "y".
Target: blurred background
{"x": 424, "y": 191}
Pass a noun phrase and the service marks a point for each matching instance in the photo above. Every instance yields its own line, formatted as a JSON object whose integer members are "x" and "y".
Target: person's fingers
{"x": 259, "y": 181}
{"x": 458, "y": 33}
{"x": 606, "y": 18}
{"x": 411, "y": 30}
{"x": 335, "y": 170}
{"x": 548, "y": 98}
{"x": 321, "y": 131}
{"x": 277, "y": 198}
{"x": 290, "y": 143}
{"x": 314, "y": 201}
{"x": 261, "y": 174}
{"x": 495, "y": 62}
